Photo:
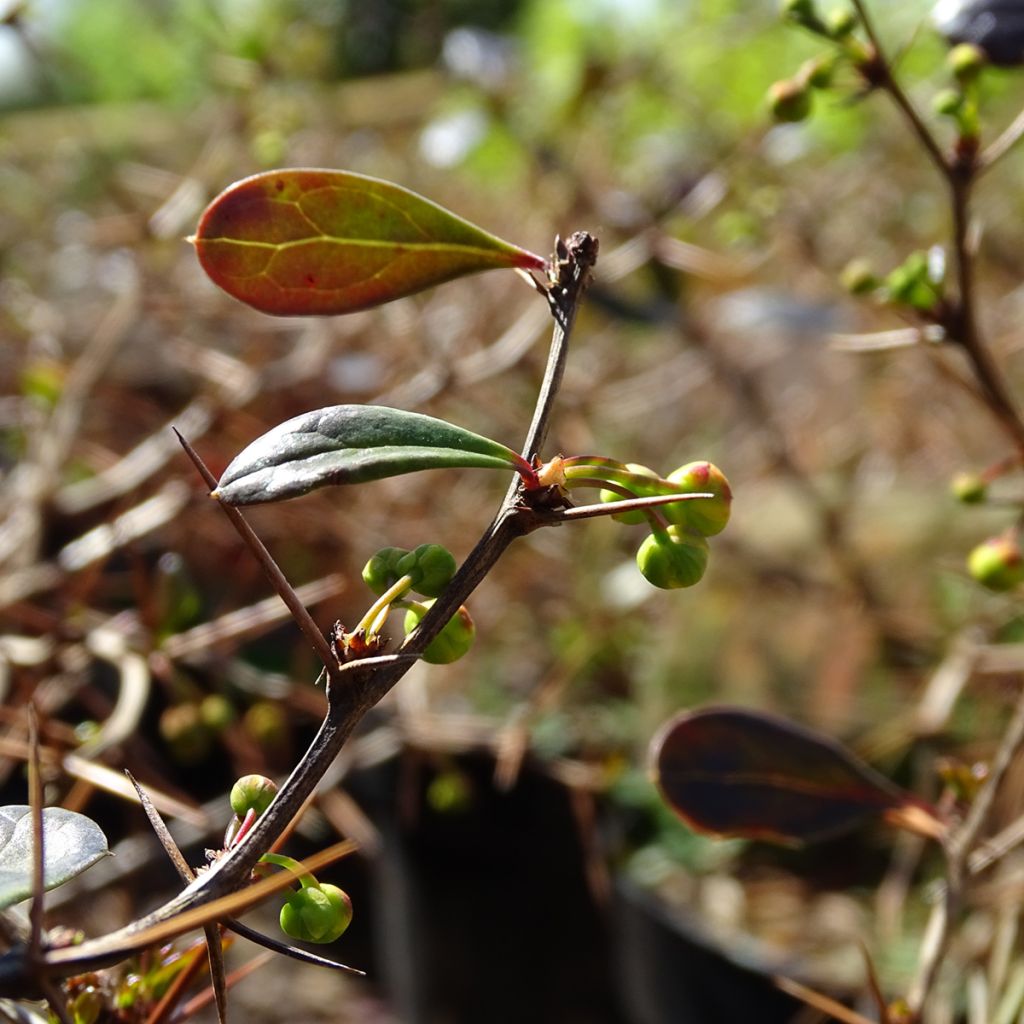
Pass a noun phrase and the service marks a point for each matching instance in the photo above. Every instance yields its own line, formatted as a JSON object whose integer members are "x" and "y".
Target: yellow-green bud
{"x": 86, "y": 1006}
{"x": 707, "y": 516}
{"x": 858, "y": 277}
{"x": 840, "y": 22}
{"x": 635, "y": 516}
{"x": 184, "y": 731}
{"x": 673, "y": 559}
{"x": 252, "y": 792}
{"x": 970, "y": 488}
{"x": 216, "y": 712}
{"x": 997, "y": 563}
{"x": 965, "y": 62}
{"x": 789, "y": 100}
{"x": 452, "y": 642}
{"x": 317, "y": 913}
{"x": 947, "y": 102}
{"x": 266, "y": 723}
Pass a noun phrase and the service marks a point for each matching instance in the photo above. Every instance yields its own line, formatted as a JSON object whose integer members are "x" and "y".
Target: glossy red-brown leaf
{"x": 743, "y": 773}
{"x": 299, "y": 242}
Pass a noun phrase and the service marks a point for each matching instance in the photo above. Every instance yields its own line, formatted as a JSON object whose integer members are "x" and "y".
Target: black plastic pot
{"x": 484, "y": 914}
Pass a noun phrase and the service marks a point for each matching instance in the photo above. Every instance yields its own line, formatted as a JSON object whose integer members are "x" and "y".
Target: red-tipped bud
{"x": 704, "y": 515}
{"x": 997, "y": 563}
{"x": 253, "y": 792}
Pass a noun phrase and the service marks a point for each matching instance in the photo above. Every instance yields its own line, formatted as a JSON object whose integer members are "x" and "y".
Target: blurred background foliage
{"x": 711, "y": 332}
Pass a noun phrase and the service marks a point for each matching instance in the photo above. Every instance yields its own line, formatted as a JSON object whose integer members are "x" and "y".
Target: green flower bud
{"x": 910, "y": 284}
{"x": 316, "y": 913}
{"x": 252, "y": 792}
{"x": 858, "y": 277}
{"x": 707, "y": 516}
{"x": 970, "y": 488}
{"x": 184, "y": 731}
{"x": 452, "y": 642}
{"x": 87, "y": 1005}
{"x": 381, "y": 571}
{"x": 817, "y": 72}
{"x": 789, "y": 100}
{"x": 797, "y": 9}
{"x": 450, "y": 793}
{"x": 803, "y": 13}
{"x": 636, "y": 516}
{"x": 965, "y": 62}
{"x": 673, "y": 559}
{"x": 840, "y": 22}
{"x": 947, "y": 102}
{"x": 266, "y": 723}
{"x": 217, "y": 712}
{"x": 431, "y": 567}
{"x": 997, "y": 563}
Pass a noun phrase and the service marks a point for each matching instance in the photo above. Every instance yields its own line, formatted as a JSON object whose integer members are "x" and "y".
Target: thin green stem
{"x": 379, "y": 607}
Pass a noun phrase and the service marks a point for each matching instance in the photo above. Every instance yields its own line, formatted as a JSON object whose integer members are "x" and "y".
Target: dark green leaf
{"x": 296, "y": 242}
{"x": 744, "y": 773}
{"x": 349, "y": 444}
{"x": 71, "y": 843}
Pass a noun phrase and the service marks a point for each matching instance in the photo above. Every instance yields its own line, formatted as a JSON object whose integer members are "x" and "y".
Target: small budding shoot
{"x": 858, "y": 277}
{"x": 970, "y": 488}
{"x": 817, "y": 72}
{"x": 789, "y": 100}
{"x": 673, "y": 558}
{"x": 948, "y": 102}
{"x": 381, "y": 571}
{"x": 965, "y": 62}
{"x": 805, "y": 14}
{"x": 318, "y": 912}
{"x": 841, "y": 22}
{"x": 915, "y": 284}
{"x": 706, "y": 516}
{"x": 452, "y": 642}
{"x": 252, "y": 792}
{"x": 430, "y": 567}
{"x": 997, "y": 563}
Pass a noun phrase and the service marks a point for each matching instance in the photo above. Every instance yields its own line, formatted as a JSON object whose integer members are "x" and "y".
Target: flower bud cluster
{"x": 674, "y": 555}
{"x": 791, "y": 99}
{"x": 393, "y": 573}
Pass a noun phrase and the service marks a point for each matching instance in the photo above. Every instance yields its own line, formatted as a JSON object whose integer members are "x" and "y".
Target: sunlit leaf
{"x": 743, "y": 773}
{"x": 348, "y": 444}
{"x": 296, "y": 242}
{"x": 71, "y": 843}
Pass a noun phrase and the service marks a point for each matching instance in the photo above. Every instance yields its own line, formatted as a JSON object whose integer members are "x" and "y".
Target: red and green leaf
{"x": 744, "y": 773}
{"x": 300, "y": 242}
{"x": 350, "y": 444}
